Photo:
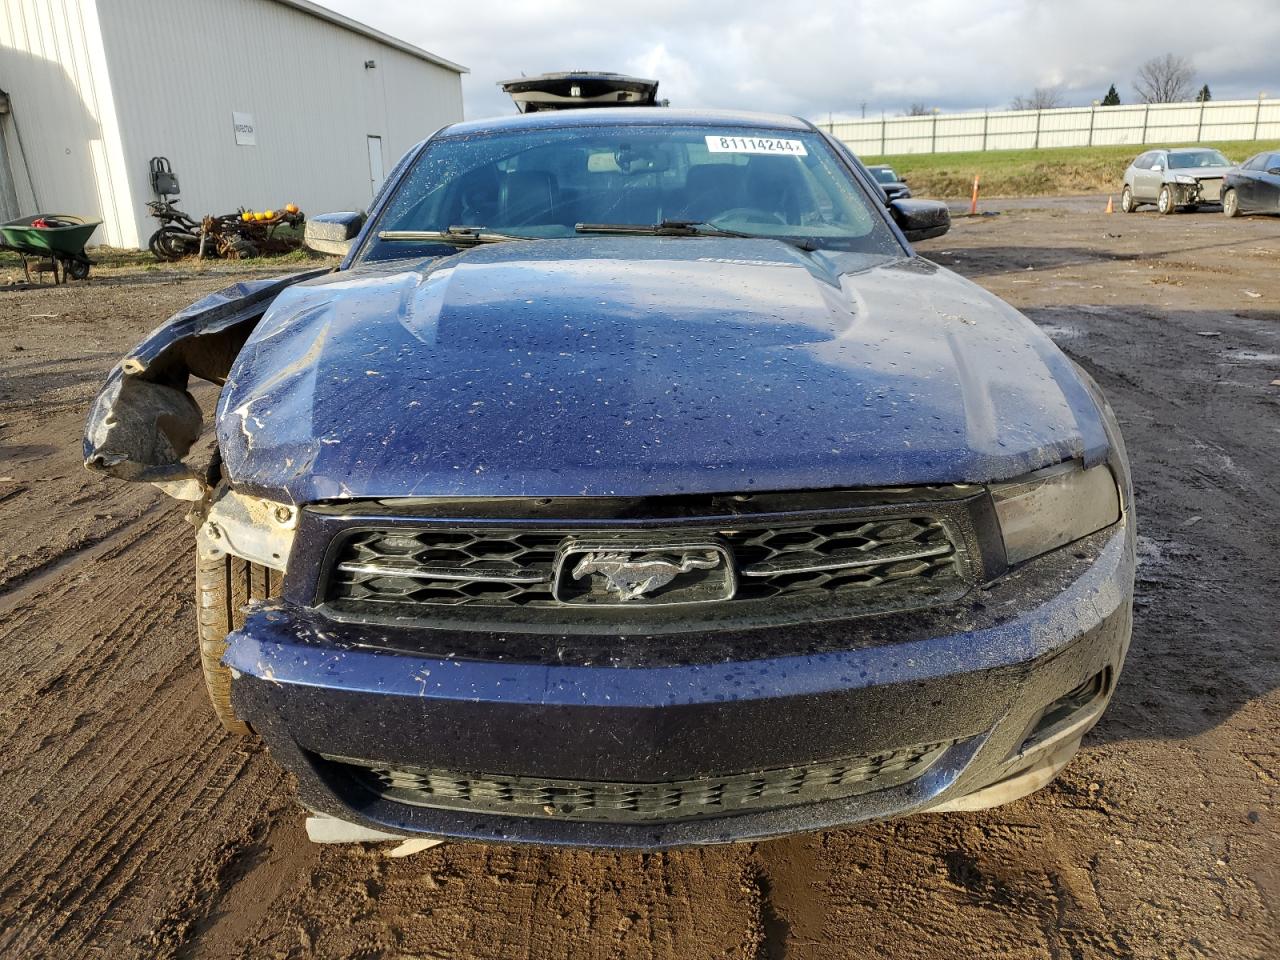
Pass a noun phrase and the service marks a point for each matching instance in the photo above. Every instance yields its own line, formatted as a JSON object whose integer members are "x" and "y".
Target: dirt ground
{"x": 132, "y": 826}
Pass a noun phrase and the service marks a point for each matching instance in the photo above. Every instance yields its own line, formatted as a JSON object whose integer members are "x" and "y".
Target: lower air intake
{"x": 640, "y": 802}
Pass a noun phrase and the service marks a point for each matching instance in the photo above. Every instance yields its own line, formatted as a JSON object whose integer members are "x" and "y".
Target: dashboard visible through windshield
{"x": 564, "y": 182}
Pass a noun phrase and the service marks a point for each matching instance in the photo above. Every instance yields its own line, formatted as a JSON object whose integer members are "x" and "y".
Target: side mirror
{"x": 1274, "y": 171}
{"x": 921, "y": 219}
{"x": 332, "y": 233}
{"x": 1157, "y": 167}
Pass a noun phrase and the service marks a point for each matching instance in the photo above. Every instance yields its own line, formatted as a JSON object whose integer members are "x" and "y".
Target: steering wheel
{"x": 749, "y": 215}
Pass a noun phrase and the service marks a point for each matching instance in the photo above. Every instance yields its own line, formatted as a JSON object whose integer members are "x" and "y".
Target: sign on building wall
{"x": 246, "y": 135}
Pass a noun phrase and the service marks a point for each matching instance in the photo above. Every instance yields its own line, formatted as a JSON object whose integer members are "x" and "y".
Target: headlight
{"x": 1187, "y": 180}
{"x": 1053, "y": 507}
{"x": 252, "y": 528}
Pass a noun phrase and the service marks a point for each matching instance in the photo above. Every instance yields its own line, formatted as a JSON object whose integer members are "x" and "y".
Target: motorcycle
{"x": 233, "y": 236}
{"x": 179, "y": 234}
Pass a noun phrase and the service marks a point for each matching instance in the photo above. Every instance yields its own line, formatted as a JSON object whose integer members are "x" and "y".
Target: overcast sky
{"x": 818, "y": 57}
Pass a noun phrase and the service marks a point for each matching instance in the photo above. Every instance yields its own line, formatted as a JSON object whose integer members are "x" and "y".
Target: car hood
{"x": 644, "y": 366}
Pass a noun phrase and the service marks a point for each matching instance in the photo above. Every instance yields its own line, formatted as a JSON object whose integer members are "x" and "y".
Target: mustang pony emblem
{"x": 631, "y": 579}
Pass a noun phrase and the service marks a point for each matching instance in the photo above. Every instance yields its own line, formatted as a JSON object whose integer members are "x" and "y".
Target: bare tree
{"x": 1042, "y": 98}
{"x": 1165, "y": 79}
{"x": 918, "y": 110}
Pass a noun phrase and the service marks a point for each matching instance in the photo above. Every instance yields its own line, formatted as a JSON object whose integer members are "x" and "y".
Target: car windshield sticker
{"x": 718, "y": 144}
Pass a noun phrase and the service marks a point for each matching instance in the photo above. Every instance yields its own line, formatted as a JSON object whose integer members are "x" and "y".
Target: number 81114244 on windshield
{"x": 775, "y": 145}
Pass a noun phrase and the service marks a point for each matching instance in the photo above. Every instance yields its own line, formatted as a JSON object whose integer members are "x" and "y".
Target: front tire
{"x": 1127, "y": 203}
{"x": 1231, "y": 204}
{"x": 169, "y": 244}
{"x": 1165, "y": 203}
{"x": 224, "y": 584}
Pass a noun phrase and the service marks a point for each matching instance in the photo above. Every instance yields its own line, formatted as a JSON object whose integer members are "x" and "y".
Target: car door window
{"x": 1143, "y": 162}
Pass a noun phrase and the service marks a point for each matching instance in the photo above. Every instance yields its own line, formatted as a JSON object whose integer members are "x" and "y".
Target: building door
{"x": 376, "y": 173}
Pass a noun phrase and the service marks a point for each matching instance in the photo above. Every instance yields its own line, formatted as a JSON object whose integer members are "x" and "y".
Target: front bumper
{"x": 1208, "y": 190}
{"x": 977, "y": 679}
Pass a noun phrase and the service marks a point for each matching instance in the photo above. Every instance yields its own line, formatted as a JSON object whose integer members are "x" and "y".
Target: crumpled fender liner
{"x": 144, "y": 420}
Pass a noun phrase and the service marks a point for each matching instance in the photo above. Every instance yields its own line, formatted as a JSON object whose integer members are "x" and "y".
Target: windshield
{"x": 545, "y": 183}
{"x": 1197, "y": 158}
{"x": 884, "y": 175}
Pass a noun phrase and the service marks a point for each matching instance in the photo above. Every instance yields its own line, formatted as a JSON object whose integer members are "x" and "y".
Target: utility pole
{"x": 864, "y": 109}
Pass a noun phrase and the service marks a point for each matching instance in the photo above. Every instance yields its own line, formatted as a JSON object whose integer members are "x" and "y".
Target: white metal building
{"x": 256, "y": 103}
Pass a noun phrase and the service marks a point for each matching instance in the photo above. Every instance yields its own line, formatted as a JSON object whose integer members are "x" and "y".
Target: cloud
{"x": 826, "y": 56}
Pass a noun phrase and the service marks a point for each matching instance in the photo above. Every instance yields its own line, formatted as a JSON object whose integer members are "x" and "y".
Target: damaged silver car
{"x": 1180, "y": 179}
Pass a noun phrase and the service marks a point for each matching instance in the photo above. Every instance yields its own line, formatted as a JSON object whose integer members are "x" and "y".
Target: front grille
{"x": 449, "y": 567}
{"x": 624, "y": 802}
{"x": 877, "y": 562}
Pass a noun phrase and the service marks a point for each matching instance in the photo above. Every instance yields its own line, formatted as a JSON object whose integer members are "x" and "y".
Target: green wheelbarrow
{"x": 55, "y": 240}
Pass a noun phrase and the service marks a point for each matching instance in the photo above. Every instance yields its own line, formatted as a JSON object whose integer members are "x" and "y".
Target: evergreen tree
{"x": 1204, "y": 96}
{"x": 1112, "y": 99}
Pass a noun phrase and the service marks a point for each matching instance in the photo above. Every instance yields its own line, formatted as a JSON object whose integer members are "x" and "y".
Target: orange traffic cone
{"x": 1111, "y": 207}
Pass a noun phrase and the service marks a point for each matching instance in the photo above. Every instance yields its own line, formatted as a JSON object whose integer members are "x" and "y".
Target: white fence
{"x": 1063, "y": 127}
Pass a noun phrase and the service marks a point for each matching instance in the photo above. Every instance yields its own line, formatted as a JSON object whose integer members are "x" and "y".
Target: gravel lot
{"x": 132, "y": 826}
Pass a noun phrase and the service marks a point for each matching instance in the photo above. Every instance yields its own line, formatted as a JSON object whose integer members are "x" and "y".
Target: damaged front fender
{"x": 145, "y": 420}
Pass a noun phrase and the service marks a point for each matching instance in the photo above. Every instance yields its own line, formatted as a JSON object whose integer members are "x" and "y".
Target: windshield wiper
{"x": 686, "y": 228}
{"x": 459, "y": 236}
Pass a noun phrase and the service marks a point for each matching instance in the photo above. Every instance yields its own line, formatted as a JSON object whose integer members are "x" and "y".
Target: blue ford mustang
{"x": 633, "y": 483}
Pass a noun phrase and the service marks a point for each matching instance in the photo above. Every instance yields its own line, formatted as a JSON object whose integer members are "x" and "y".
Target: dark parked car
{"x": 894, "y": 187}
{"x": 634, "y": 483}
{"x": 1254, "y": 186}
{"x": 1174, "y": 179}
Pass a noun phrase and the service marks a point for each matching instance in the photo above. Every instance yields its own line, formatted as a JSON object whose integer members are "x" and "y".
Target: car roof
{"x": 636, "y": 116}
